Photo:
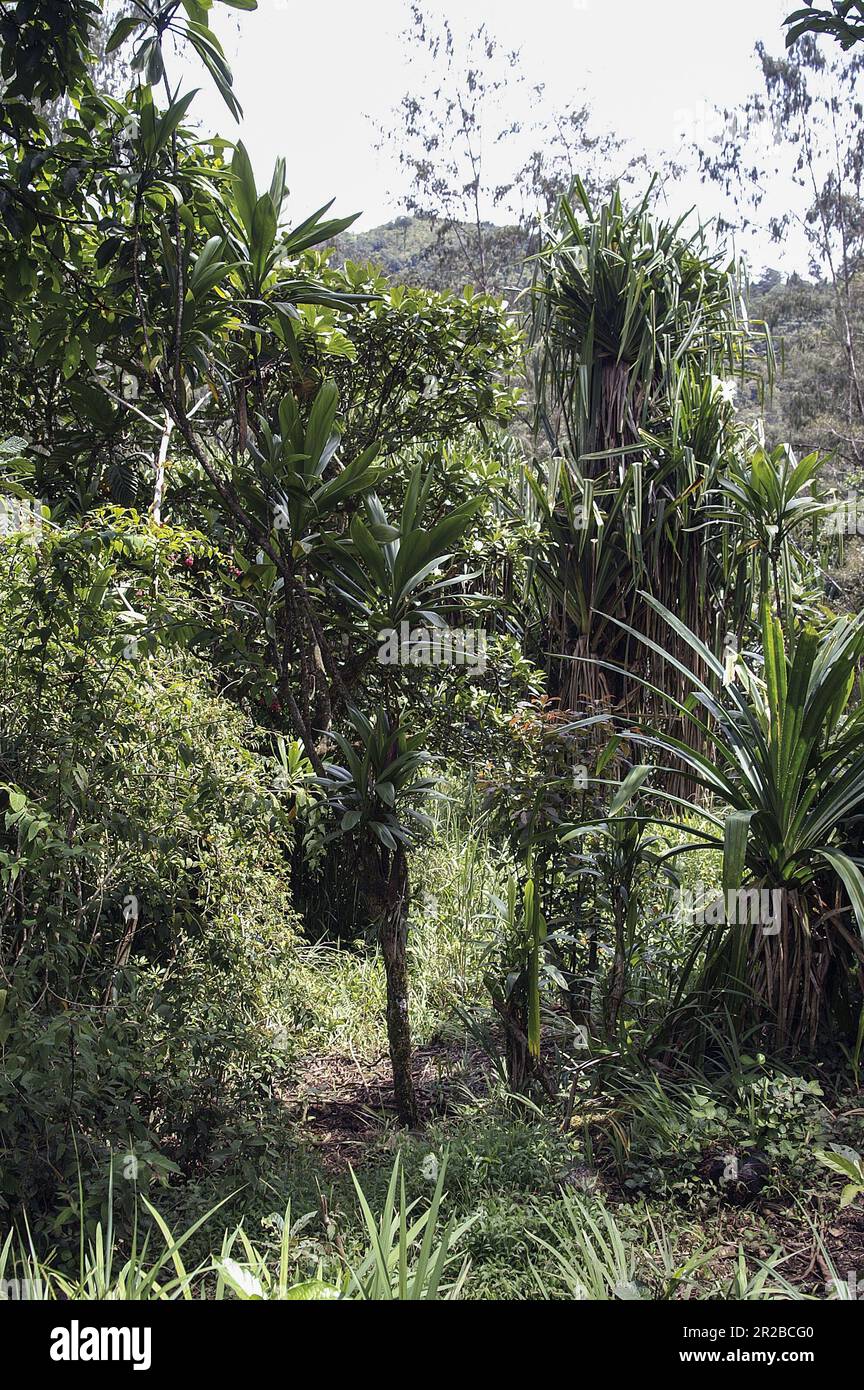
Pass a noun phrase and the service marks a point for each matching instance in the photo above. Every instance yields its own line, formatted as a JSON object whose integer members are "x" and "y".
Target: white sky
{"x": 315, "y": 80}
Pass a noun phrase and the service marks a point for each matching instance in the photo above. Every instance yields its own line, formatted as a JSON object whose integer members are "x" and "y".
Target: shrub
{"x": 145, "y": 919}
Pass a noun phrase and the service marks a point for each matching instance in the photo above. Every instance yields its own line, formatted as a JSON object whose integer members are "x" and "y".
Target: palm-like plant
{"x": 782, "y": 759}
{"x": 766, "y": 501}
{"x": 393, "y": 573}
{"x": 299, "y": 484}
{"x": 624, "y": 860}
{"x": 623, "y": 306}
{"x": 263, "y": 250}
{"x": 376, "y": 793}
{"x": 515, "y": 969}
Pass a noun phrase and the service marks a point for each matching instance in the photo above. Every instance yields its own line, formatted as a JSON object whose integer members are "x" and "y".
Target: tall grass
{"x": 591, "y": 1256}
{"x": 409, "y": 1255}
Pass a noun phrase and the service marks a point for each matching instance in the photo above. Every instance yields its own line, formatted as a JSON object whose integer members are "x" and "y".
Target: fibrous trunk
{"x": 393, "y": 938}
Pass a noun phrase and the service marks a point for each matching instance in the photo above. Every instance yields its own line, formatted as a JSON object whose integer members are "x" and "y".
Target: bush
{"x": 145, "y": 919}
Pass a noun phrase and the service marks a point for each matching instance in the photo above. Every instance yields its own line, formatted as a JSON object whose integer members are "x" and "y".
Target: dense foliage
{"x": 386, "y": 670}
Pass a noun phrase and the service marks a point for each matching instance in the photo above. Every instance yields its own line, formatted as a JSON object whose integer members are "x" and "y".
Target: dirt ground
{"x": 343, "y": 1106}
{"x": 343, "y": 1103}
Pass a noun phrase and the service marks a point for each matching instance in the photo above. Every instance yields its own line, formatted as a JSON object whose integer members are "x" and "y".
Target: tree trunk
{"x": 161, "y": 460}
{"x": 616, "y": 993}
{"x": 393, "y": 936}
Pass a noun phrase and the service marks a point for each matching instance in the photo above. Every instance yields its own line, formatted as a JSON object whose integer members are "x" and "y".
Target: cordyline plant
{"x": 516, "y": 969}
{"x": 376, "y": 794}
{"x": 625, "y": 861}
{"x": 164, "y": 318}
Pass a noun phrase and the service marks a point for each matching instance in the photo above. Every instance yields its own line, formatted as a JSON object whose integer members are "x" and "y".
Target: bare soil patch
{"x": 344, "y": 1104}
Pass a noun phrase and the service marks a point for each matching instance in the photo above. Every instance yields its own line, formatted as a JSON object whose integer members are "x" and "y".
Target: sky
{"x": 316, "y": 80}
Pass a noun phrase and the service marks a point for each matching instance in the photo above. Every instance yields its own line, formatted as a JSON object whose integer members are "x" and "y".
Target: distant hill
{"x": 399, "y": 247}
{"x": 810, "y": 405}
{"x": 417, "y": 251}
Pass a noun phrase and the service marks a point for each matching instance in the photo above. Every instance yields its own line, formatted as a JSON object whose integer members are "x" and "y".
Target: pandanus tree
{"x": 781, "y": 756}
{"x": 635, "y": 325}
{"x": 765, "y": 502}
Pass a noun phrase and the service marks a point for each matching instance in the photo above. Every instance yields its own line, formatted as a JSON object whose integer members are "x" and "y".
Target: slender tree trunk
{"x": 393, "y": 936}
{"x": 618, "y": 987}
{"x": 616, "y": 994}
{"x": 517, "y": 1058}
{"x": 161, "y": 460}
